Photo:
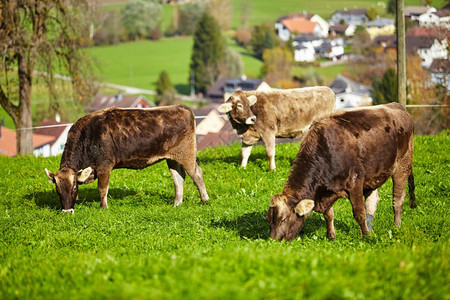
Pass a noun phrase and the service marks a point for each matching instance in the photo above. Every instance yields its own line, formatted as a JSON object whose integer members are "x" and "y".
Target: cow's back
{"x": 291, "y": 112}
{"x": 367, "y": 141}
{"x": 129, "y": 137}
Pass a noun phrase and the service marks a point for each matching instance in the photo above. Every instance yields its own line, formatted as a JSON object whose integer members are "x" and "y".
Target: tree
{"x": 189, "y": 15}
{"x": 392, "y": 7}
{"x": 384, "y": 90}
{"x": 109, "y": 31}
{"x": 40, "y": 35}
{"x": 222, "y": 11}
{"x": 163, "y": 84}
{"x": 207, "y": 52}
{"x": 372, "y": 14}
{"x": 263, "y": 37}
{"x": 361, "y": 40}
{"x": 277, "y": 67}
{"x": 231, "y": 64}
{"x": 139, "y": 17}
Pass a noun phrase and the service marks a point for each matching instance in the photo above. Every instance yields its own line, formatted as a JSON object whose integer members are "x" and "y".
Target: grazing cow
{"x": 128, "y": 138}
{"x": 266, "y": 115}
{"x": 348, "y": 154}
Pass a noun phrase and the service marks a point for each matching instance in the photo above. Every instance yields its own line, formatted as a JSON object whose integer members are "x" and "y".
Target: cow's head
{"x": 238, "y": 108}
{"x": 286, "y": 218}
{"x": 67, "y": 181}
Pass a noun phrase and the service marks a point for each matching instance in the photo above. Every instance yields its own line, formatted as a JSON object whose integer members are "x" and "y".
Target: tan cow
{"x": 128, "y": 138}
{"x": 265, "y": 115}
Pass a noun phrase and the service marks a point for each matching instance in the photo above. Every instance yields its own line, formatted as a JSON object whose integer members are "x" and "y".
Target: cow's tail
{"x": 411, "y": 187}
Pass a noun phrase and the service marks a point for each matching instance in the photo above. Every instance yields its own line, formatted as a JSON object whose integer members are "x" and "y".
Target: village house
{"x": 439, "y": 18}
{"x": 423, "y": 41}
{"x": 428, "y": 48}
{"x": 58, "y": 130}
{"x": 118, "y": 100}
{"x": 350, "y": 93}
{"x": 349, "y": 16}
{"x": 295, "y": 24}
{"x": 440, "y": 72}
{"x": 308, "y": 46}
{"x": 8, "y": 143}
{"x": 342, "y": 30}
{"x": 414, "y": 12}
{"x": 332, "y": 49}
{"x": 380, "y": 26}
{"x": 212, "y": 128}
{"x": 223, "y": 87}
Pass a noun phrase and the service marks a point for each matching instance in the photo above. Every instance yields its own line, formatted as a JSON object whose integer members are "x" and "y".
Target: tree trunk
{"x": 24, "y": 120}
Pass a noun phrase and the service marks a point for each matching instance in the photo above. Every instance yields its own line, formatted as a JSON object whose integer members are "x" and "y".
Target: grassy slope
{"x": 139, "y": 63}
{"x": 142, "y": 247}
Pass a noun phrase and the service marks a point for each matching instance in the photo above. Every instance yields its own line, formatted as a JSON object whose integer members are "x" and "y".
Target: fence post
{"x": 401, "y": 53}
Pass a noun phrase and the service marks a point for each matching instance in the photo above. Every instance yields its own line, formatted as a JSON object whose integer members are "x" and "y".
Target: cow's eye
{"x": 74, "y": 187}
{"x": 239, "y": 105}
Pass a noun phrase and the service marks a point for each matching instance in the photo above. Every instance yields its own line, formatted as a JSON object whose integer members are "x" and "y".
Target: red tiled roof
{"x": 299, "y": 25}
{"x": 51, "y": 131}
{"x": 8, "y": 143}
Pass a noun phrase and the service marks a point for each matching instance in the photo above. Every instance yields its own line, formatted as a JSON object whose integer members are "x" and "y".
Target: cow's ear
{"x": 304, "y": 207}
{"x": 252, "y": 99}
{"x": 226, "y": 107}
{"x": 84, "y": 174}
{"x": 50, "y": 175}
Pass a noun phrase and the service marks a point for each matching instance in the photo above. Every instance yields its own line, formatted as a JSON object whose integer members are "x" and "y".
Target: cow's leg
{"x": 178, "y": 176}
{"x": 359, "y": 211}
{"x": 399, "y": 193}
{"x": 103, "y": 186}
{"x": 412, "y": 195}
{"x": 269, "y": 142}
{"x": 329, "y": 218}
{"x": 196, "y": 173}
{"x": 371, "y": 207}
{"x": 245, "y": 152}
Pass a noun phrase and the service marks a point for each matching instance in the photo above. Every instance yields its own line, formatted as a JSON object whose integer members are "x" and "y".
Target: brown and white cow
{"x": 348, "y": 154}
{"x": 265, "y": 115}
{"x": 128, "y": 138}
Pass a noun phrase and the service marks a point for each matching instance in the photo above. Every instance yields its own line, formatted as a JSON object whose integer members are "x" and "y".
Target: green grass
{"x": 138, "y": 64}
{"x": 142, "y": 247}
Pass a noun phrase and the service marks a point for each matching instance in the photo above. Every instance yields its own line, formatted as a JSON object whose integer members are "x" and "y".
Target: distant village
{"x": 313, "y": 38}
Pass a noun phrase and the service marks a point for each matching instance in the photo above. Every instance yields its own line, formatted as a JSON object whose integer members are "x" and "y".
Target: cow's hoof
{"x": 331, "y": 236}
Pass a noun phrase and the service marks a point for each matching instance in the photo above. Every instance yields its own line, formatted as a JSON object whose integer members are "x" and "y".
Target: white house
{"x": 350, "y": 93}
{"x": 414, "y": 12}
{"x": 342, "y": 29}
{"x": 300, "y": 23}
{"x": 331, "y": 49}
{"x": 304, "y": 53}
{"x": 440, "y": 72}
{"x": 434, "y": 49}
{"x": 349, "y": 16}
{"x": 440, "y": 18}
{"x": 59, "y": 133}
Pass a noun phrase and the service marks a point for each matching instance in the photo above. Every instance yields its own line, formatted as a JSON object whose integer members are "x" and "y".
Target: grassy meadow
{"x": 142, "y": 247}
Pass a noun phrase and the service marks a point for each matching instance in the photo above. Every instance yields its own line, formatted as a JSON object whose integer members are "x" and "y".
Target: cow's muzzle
{"x": 72, "y": 211}
{"x": 250, "y": 120}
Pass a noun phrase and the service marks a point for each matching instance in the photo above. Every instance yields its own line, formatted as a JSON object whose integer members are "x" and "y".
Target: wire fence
{"x": 225, "y": 116}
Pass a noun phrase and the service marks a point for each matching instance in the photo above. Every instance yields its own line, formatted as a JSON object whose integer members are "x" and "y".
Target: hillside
{"x": 142, "y": 247}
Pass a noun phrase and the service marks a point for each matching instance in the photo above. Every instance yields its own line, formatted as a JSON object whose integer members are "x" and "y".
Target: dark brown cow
{"x": 348, "y": 154}
{"x": 266, "y": 115}
{"x": 128, "y": 138}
